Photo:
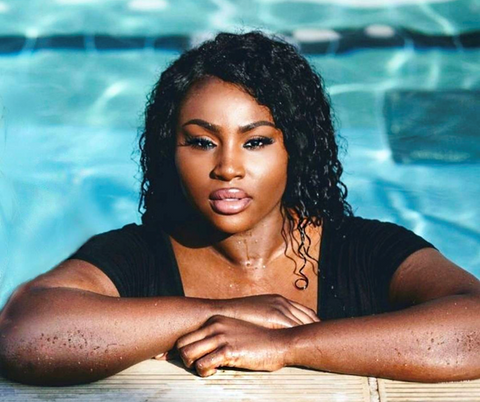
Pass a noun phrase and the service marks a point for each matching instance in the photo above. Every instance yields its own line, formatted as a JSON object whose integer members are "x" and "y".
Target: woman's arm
{"x": 436, "y": 340}
{"x": 58, "y": 336}
{"x": 58, "y": 330}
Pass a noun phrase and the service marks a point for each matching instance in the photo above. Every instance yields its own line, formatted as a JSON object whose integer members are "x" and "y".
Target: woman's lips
{"x": 230, "y": 206}
{"x": 229, "y": 201}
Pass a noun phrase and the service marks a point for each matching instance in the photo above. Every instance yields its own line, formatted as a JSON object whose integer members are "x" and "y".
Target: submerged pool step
{"x": 425, "y": 127}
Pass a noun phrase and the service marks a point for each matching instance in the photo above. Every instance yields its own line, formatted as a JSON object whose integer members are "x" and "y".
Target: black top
{"x": 357, "y": 262}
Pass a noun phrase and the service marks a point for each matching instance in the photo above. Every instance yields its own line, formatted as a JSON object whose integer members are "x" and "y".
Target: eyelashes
{"x": 258, "y": 142}
{"x": 199, "y": 143}
{"x": 206, "y": 144}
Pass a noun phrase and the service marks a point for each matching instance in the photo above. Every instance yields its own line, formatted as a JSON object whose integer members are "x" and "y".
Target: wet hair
{"x": 273, "y": 72}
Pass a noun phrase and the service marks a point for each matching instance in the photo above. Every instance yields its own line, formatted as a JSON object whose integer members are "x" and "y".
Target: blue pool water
{"x": 69, "y": 116}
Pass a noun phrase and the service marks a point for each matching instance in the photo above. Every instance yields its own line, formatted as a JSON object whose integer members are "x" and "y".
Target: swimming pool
{"x": 74, "y": 76}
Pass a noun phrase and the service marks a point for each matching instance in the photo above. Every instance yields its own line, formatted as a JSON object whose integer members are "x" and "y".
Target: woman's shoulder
{"x": 133, "y": 257}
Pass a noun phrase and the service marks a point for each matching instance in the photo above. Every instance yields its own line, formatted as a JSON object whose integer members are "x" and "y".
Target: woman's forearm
{"x": 70, "y": 336}
{"x": 432, "y": 342}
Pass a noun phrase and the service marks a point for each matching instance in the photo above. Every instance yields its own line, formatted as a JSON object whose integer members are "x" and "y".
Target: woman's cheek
{"x": 191, "y": 167}
{"x": 271, "y": 167}
{"x": 193, "y": 171}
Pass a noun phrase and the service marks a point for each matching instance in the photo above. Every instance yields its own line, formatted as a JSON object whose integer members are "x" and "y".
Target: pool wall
{"x": 74, "y": 77}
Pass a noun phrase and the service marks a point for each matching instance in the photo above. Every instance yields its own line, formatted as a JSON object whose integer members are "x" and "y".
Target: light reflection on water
{"x": 161, "y": 17}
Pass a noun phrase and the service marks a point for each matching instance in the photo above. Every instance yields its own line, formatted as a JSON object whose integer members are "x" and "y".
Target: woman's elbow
{"x": 460, "y": 362}
{"x": 17, "y": 359}
{"x": 23, "y": 359}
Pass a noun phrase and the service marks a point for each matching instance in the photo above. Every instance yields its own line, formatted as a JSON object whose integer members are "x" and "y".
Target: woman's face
{"x": 230, "y": 157}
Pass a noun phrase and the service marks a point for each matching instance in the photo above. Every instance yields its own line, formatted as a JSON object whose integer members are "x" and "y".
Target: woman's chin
{"x": 230, "y": 224}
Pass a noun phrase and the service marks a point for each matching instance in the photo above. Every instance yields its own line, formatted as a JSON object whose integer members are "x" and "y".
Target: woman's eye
{"x": 200, "y": 143}
{"x": 258, "y": 142}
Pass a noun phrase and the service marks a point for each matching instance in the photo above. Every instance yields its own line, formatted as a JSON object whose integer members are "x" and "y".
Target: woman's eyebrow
{"x": 202, "y": 123}
{"x": 216, "y": 129}
{"x": 251, "y": 126}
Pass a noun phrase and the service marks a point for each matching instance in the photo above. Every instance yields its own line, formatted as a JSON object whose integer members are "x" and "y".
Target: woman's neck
{"x": 254, "y": 248}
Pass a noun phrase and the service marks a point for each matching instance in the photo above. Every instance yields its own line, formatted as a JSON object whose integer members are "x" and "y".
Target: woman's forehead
{"x": 215, "y": 99}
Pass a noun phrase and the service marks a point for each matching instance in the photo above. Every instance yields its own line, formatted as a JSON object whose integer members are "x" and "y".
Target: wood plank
{"x": 154, "y": 380}
{"x": 400, "y": 391}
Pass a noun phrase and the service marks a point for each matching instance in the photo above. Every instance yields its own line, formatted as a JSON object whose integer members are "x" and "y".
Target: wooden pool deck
{"x": 154, "y": 380}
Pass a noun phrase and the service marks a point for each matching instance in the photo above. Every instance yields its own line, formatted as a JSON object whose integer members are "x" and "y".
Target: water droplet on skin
{"x": 264, "y": 266}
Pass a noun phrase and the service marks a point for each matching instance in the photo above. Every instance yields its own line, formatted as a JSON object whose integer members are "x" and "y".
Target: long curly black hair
{"x": 277, "y": 76}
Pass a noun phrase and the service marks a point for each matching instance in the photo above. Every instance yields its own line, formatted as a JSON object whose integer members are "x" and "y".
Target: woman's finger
{"x": 193, "y": 337}
{"x": 291, "y": 319}
{"x": 194, "y": 351}
{"x": 305, "y": 318}
{"x": 171, "y": 354}
{"x": 309, "y": 312}
{"x": 300, "y": 315}
{"x": 207, "y": 365}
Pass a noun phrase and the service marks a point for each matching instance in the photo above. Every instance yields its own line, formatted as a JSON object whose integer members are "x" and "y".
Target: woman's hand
{"x": 270, "y": 311}
{"x": 228, "y": 342}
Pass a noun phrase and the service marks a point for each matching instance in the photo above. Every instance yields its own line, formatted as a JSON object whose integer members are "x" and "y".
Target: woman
{"x": 248, "y": 255}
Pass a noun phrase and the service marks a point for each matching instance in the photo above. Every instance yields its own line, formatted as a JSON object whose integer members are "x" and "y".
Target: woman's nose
{"x": 229, "y": 164}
